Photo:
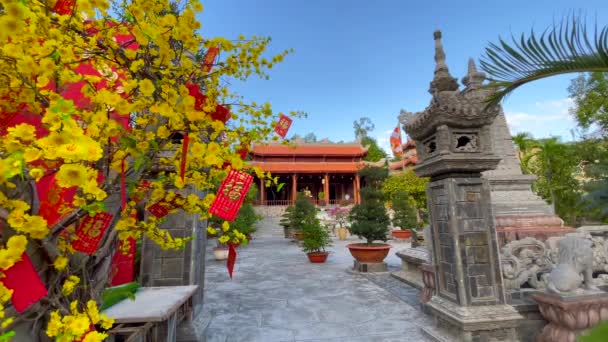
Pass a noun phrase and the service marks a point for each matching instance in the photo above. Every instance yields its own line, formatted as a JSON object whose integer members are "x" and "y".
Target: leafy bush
{"x": 369, "y": 219}
{"x": 406, "y": 182}
{"x": 304, "y": 212}
{"x": 405, "y": 213}
{"x": 285, "y": 221}
{"x": 246, "y": 219}
{"x": 316, "y": 237}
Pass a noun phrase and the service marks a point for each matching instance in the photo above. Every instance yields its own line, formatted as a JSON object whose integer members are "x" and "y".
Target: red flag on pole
{"x": 23, "y": 279}
{"x": 231, "y": 259}
{"x": 283, "y": 125}
{"x": 396, "y": 144}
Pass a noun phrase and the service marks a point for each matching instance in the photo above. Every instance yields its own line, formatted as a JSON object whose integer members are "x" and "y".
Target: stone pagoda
{"x": 454, "y": 144}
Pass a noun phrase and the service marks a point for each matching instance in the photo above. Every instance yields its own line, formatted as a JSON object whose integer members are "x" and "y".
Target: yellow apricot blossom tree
{"x": 59, "y": 118}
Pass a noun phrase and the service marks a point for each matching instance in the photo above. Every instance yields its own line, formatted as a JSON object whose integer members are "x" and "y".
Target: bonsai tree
{"x": 304, "y": 212}
{"x": 246, "y": 218}
{"x": 285, "y": 221}
{"x": 316, "y": 237}
{"x": 369, "y": 220}
{"x": 405, "y": 216}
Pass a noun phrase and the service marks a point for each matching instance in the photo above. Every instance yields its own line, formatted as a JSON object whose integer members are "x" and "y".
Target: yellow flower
{"x": 69, "y": 285}
{"x": 7, "y": 322}
{"x": 146, "y": 87}
{"x": 17, "y": 242}
{"x": 60, "y": 263}
{"x": 80, "y": 325}
{"x": 5, "y": 293}
{"x": 211, "y": 230}
{"x": 225, "y": 226}
{"x": 94, "y": 336}
{"x": 36, "y": 173}
{"x": 92, "y": 311}
{"x": 70, "y": 175}
{"x": 106, "y": 323}
{"x": 24, "y": 132}
{"x": 223, "y": 239}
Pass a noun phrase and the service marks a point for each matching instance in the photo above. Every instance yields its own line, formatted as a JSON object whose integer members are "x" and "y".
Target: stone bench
{"x": 411, "y": 260}
{"x": 153, "y": 314}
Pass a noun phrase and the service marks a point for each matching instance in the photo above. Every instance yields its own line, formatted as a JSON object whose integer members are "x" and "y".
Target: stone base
{"x": 472, "y": 323}
{"x": 412, "y": 278}
{"x": 541, "y": 227}
{"x": 369, "y": 266}
{"x": 570, "y": 316}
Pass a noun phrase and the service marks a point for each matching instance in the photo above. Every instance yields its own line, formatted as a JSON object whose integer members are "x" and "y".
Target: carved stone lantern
{"x": 454, "y": 146}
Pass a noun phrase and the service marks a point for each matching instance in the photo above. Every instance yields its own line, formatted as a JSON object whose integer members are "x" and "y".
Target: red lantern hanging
{"x": 23, "y": 279}
{"x": 231, "y": 194}
{"x": 90, "y": 231}
{"x": 283, "y": 125}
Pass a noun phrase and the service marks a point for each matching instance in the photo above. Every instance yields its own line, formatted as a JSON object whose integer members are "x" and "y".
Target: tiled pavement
{"x": 277, "y": 295}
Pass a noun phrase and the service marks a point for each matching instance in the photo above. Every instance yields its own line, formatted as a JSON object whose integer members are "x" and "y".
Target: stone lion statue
{"x": 575, "y": 266}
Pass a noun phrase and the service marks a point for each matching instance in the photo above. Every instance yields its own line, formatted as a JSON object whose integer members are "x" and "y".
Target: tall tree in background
{"x": 567, "y": 47}
{"x": 310, "y": 138}
{"x": 362, "y": 127}
{"x": 589, "y": 92}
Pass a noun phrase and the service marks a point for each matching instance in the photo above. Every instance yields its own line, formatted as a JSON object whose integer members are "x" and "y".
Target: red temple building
{"x": 314, "y": 168}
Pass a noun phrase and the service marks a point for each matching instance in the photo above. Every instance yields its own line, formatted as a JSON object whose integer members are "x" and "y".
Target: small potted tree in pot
{"x": 369, "y": 220}
{"x": 304, "y": 211}
{"x": 316, "y": 238}
{"x": 405, "y": 217}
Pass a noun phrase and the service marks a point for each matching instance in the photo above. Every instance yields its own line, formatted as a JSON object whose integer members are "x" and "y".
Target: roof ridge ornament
{"x": 474, "y": 79}
{"x": 442, "y": 81}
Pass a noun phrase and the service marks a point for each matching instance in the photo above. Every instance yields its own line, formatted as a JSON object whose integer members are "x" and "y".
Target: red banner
{"x": 63, "y": 7}
{"x": 162, "y": 207}
{"x": 23, "y": 279}
{"x": 283, "y": 125}
{"x": 123, "y": 265}
{"x": 231, "y": 194}
{"x": 90, "y": 231}
{"x": 210, "y": 58}
{"x": 231, "y": 259}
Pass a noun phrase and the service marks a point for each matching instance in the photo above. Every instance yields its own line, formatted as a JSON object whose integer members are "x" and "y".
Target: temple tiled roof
{"x": 350, "y": 150}
{"x": 309, "y": 167}
{"x": 403, "y": 163}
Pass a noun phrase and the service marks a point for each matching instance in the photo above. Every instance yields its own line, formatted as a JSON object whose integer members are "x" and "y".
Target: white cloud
{"x": 546, "y": 118}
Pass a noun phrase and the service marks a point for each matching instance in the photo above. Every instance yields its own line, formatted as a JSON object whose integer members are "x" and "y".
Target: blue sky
{"x": 372, "y": 58}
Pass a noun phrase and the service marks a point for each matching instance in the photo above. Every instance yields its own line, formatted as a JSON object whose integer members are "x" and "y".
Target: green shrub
{"x": 304, "y": 212}
{"x": 245, "y": 220}
{"x": 285, "y": 221}
{"x": 405, "y": 213}
{"x": 316, "y": 237}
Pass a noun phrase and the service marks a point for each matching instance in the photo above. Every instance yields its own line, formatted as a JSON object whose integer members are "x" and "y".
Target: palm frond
{"x": 564, "y": 48}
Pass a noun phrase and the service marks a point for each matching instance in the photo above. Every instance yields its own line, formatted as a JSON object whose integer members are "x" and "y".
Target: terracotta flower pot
{"x": 220, "y": 253}
{"x": 368, "y": 254}
{"x": 317, "y": 257}
{"x": 401, "y": 234}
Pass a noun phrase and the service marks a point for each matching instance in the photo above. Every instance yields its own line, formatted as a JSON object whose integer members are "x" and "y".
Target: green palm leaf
{"x": 564, "y": 48}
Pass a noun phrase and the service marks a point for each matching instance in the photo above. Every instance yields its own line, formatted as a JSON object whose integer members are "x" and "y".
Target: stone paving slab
{"x": 277, "y": 295}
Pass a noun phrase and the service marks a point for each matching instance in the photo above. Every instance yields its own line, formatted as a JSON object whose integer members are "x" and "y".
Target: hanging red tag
{"x": 23, "y": 279}
{"x": 231, "y": 259}
{"x": 182, "y": 170}
{"x": 283, "y": 125}
{"x": 162, "y": 207}
{"x": 231, "y": 194}
{"x": 221, "y": 113}
{"x": 140, "y": 191}
{"x": 210, "y": 58}
{"x": 123, "y": 265}
{"x": 123, "y": 187}
{"x": 90, "y": 231}
{"x": 54, "y": 200}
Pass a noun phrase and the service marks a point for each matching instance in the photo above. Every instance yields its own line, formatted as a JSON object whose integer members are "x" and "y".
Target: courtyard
{"x": 277, "y": 295}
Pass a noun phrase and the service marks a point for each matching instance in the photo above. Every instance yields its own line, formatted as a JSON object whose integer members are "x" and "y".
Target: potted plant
{"x": 340, "y": 216}
{"x": 285, "y": 222}
{"x": 405, "y": 217}
{"x": 316, "y": 238}
{"x": 369, "y": 220}
{"x": 303, "y": 212}
{"x": 321, "y": 196}
{"x": 220, "y": 252}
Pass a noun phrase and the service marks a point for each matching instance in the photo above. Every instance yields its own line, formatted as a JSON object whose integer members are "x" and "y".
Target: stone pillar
{"x": 182, "y": 267}
{"x": 294, "y": 187}
{"x": 262, "y": 192}
{"x": 326, "y": 188}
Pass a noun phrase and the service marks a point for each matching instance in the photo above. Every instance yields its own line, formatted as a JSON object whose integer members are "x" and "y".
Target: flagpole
{"x": 402, "y": 152}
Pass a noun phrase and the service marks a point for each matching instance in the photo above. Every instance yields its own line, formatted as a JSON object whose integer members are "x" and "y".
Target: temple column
{"x": 294, "y": 187}
{"x": 262, "y": 192}
{"x": 357, "y": 188}
{"x": 326, "y": 188}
